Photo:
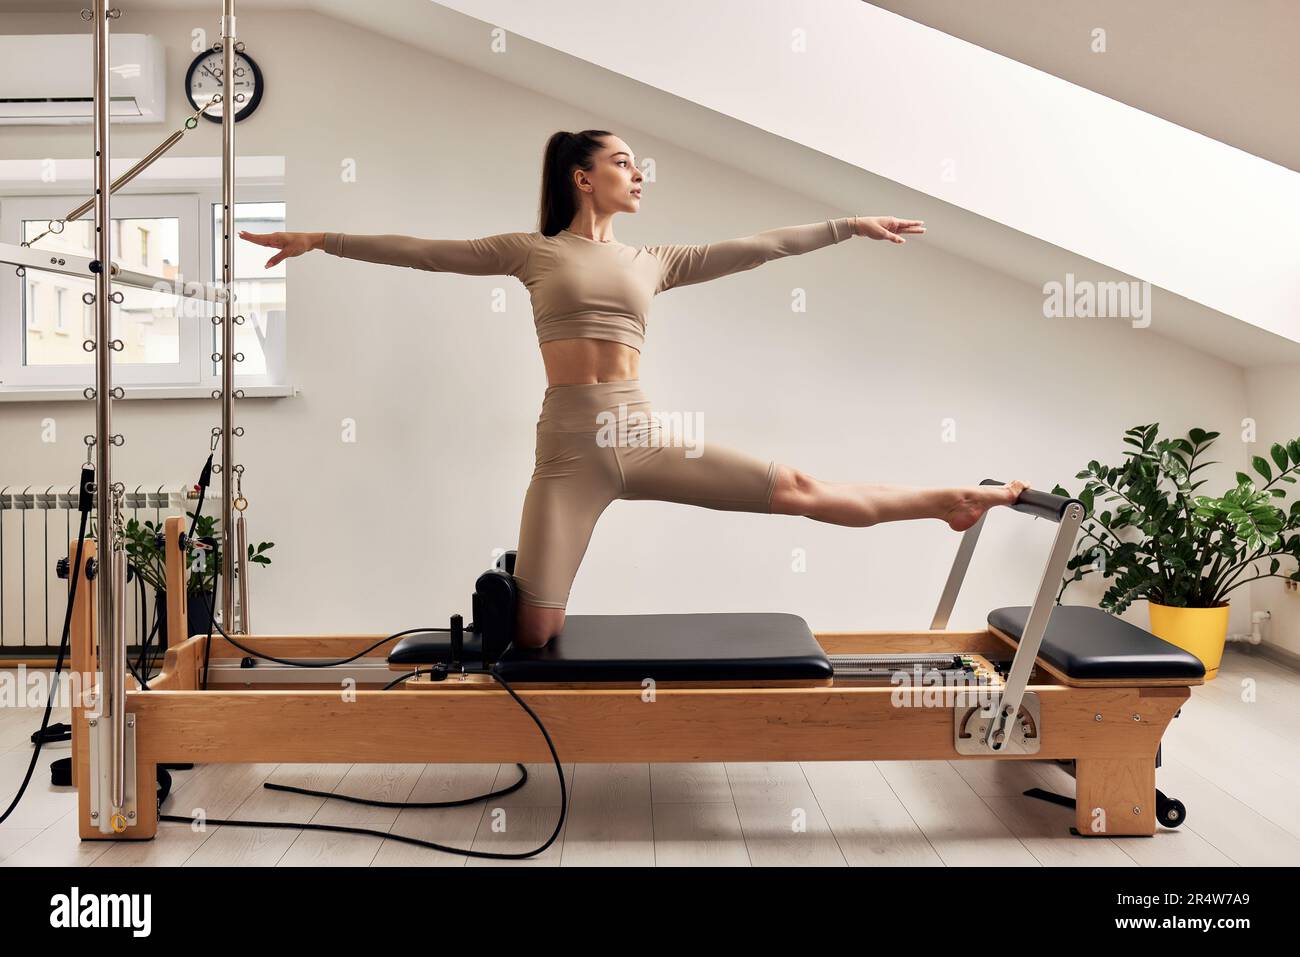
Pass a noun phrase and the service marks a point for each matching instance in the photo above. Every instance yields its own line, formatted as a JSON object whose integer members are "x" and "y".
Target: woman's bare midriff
{"x": 587, "y": 361}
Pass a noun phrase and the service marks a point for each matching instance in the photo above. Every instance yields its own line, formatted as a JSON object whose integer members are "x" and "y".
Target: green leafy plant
{"x": 1163, "y": 542}
{"x": 144, "y": 552}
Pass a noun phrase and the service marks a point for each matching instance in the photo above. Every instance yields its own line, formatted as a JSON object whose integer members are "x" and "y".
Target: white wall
{"x": 1271, "y": 398}
{"x": 391, "y": 531}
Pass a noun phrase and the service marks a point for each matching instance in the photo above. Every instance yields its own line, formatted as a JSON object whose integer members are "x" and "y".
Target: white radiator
{"x": 36, "y": 525}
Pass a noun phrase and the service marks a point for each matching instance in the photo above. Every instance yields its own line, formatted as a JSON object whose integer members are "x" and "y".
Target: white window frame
{"x": 275, "y": 346}
{"x": 175, "y": 178}
{"x": 185, "y": 371}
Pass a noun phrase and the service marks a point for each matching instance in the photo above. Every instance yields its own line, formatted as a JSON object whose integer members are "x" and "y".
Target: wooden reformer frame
{"x": 1110, "y": 729}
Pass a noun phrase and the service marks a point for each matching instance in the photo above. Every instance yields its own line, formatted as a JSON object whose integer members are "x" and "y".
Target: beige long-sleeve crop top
{"x": 584, "y": 289}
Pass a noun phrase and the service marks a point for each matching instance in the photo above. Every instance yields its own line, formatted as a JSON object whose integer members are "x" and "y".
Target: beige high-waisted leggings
{"x": 585, "y": 460}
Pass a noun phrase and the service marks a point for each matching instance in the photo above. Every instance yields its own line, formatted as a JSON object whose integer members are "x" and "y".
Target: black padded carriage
{"x": 745, "y": 646}
{"x": 741, "y": 646}
{"x": 1087, "y": 643}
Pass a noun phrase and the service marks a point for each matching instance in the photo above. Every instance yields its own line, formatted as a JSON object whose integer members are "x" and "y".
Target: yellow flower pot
{"x": 1202, "y": 631}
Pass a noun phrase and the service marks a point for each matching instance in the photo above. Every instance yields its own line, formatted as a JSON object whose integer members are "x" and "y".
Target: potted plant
{"x": 1184, "y": 553}
{"x": 147, "y": 558}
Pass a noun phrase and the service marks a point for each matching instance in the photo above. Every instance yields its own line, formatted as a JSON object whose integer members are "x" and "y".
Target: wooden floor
{"x": 1235, "y": 763}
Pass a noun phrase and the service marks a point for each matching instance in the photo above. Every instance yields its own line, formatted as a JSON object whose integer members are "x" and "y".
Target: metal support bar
{"x": 142, "y": 165}
{"x": 241, "y": 565}
{"x": 1036, "y": 626}
{"x": 998, "y": 727}
{"x": 110, "y": 732}
{"x": 957, "y": 575}
{"x": 225, "y": 672}
{"x": 66, "y": 264}
{"x": 228, "y": 110}
{"x": 114, "y": 650}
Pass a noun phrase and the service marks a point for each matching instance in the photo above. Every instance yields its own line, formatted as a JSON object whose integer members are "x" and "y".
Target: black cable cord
{"x": 323, "y": 664}
{"x": 142, "y": 663}
{"x": 205, "y": 477}
{"x": 212, "y": 621}
{"x": 421, "y": 805}
{"x": 523, "y": 777}
{"x": 127, "y": 658}
{"x": 142, "y": 603}
{"x": 135, "y": 674}
{"x": 75, "y": 571}
{"x": 419, "y": 842}
{"x": 213, "y": 626}
{"x": 141, "y": 670}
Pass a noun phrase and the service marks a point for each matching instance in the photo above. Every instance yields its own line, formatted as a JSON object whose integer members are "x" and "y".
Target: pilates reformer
{"x": 1070, "y": 684}
{"x": 1064, "y": 683}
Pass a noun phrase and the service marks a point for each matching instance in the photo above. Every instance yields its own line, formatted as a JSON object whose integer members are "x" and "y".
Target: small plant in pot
{"x": 1146, "y": 528}
{"x": 148, "y": 561}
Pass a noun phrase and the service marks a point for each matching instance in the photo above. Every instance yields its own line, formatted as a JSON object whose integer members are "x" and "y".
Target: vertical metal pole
{"x": 228, "y": 109}
{"x": 112, "y": 656}
{"x": 241, "y": 544}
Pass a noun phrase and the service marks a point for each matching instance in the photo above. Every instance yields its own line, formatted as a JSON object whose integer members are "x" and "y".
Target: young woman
{"x": 590, "y": 297}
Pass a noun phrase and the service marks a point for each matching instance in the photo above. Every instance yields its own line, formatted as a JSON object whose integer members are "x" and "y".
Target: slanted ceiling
{"x": 718, "y": 79}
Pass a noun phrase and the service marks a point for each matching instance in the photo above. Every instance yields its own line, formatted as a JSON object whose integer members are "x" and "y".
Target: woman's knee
{"x": 795, "y": 492}
{"x": 536, "y": 625}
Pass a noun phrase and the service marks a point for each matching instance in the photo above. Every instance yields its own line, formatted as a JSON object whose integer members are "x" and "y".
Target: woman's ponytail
{"x": 564, "y": 153}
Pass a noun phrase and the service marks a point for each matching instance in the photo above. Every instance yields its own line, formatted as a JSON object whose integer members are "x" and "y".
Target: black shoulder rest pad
{"x": 1083, "y": 642}
{"x": 433, "y": 649}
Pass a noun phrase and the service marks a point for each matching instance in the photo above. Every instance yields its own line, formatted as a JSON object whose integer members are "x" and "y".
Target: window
{"x": 166, "y": 341}
{"x": 45, "y": 294}
{"x": 259, "y": 292}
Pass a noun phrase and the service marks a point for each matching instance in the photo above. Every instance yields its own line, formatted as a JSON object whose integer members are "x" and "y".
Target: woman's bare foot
{"x": 973, "y": 502}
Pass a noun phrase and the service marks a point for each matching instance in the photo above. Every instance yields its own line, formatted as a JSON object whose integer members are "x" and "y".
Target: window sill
{"x": 71, "y": 393}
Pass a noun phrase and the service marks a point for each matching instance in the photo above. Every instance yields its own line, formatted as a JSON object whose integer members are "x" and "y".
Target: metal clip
{"x": 241, "y": 502}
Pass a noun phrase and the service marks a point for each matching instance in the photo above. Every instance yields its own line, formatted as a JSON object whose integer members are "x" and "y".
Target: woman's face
{"x": 613, "y": 184}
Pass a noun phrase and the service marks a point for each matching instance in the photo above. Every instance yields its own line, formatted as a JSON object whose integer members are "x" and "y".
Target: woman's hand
{"x": 887, "y": 227}
{"x": 289, "y": 244}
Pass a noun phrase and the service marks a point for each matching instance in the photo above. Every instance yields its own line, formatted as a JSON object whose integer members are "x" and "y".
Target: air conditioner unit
{"x": 48, "y": 79}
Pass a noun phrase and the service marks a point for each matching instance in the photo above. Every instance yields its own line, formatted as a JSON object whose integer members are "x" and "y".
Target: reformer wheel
{"x": 1170, "y": 812}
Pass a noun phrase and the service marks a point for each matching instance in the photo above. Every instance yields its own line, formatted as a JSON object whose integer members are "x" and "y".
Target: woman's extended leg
{"x": 861, "y": 504}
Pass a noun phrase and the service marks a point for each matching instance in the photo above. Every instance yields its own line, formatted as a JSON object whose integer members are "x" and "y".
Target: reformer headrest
{"x": 495, "y": 602}
{"x": 495, "y": 605}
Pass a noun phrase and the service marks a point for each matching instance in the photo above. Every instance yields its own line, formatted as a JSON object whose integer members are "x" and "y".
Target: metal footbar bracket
{"x": 1011, "y": 722}
{"x": 972, "y": 724}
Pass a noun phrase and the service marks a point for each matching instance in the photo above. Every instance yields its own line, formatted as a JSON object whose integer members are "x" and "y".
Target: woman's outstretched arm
{"x": 683, "y": 265}
{"x": 500, "y": 255}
